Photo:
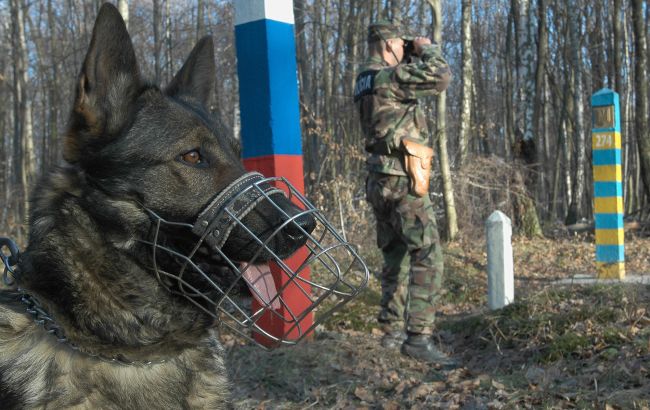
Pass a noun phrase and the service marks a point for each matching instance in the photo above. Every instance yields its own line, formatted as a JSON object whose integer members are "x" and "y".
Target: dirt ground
{"x": 557, "y": 346}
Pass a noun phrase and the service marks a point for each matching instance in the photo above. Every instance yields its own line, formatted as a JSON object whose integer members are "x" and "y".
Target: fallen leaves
{"x": 364, "y": 395}
{"x": 548, "y": 350}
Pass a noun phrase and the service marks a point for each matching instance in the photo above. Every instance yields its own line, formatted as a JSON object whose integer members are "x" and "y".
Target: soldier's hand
{"x": 418, "y": 42}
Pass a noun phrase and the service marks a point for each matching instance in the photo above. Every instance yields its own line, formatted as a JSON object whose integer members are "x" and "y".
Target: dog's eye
{"x": 192, "y": 157}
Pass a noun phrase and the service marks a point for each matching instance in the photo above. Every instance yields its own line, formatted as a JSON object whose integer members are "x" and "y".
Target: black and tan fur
{"x": 123, "y": 151}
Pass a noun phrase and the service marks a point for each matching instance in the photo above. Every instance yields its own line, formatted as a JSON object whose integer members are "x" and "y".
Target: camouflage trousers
{"x": 407, "y": 234}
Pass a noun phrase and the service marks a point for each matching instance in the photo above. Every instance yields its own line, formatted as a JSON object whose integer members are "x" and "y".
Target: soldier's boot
{"x": 394, "y": 335}
{"x": 385, "y": 317}
{"x": 393, "y": 339}
{"x": 422, "y": 347}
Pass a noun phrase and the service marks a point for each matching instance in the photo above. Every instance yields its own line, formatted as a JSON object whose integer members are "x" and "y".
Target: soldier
{"x": 387, "y": 91}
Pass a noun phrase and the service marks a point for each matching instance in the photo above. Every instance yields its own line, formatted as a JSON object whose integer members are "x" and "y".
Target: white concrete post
{"x": 501, "y": 282}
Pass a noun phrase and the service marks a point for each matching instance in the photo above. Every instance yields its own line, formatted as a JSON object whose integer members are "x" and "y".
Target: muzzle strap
{"x": 233, "y": 203}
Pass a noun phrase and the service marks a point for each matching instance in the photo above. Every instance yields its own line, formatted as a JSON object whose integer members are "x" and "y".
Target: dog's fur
{"x": 123, "y": 151}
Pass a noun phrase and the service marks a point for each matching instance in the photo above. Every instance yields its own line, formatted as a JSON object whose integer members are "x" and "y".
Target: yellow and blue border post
{"x": 608, "y": 184}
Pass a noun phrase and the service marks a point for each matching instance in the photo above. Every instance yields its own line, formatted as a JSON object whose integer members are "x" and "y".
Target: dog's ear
{"x": 107, "y": 87}
{"x": 196, "y": 78}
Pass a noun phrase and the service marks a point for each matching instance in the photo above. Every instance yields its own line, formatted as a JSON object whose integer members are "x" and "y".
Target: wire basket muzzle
{"x": 267, "y": 264}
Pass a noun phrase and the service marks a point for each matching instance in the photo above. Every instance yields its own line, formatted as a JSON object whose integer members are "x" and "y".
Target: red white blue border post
{"x": 270, "y": 122}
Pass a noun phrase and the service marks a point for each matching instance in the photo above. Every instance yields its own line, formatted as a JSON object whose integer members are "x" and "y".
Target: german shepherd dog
{"x": 132, "y": 150}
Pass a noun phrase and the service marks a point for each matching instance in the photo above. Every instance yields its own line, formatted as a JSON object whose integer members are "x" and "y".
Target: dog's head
{"x": 164, "y": 181}
{"x": 160, "y": 154}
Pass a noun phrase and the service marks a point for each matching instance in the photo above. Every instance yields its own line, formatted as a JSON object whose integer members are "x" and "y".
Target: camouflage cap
{"x": 386, "y": 29}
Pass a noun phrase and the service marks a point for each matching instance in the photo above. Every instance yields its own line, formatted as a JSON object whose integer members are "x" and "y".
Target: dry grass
{"x": 556, "y": 347}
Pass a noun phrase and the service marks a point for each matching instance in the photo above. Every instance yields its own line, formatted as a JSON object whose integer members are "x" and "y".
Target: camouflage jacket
{"x": 389, "y": 109}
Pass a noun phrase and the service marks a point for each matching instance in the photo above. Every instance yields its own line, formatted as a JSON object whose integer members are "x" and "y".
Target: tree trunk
{"x": 537, "y": 115}
{"x": 527, "y": 83}
{"x": 53, "y": 95}
{"x": 565, "y": 148}
{"x": 617, "y": 63}
{"x": 441, "y": 133}
{"x": 302, "y": 52}
{"x": 304, "y": 60}
{"x": 631, "y": 198}
{"x": 618, "y": 51}
{"x": 641, "y": 88}
{"x": 156, "y": 42}
{"x": 38, "y": 39}
{"x": 525, "y": 215}
{"x": 200, "y": 20}
{"x": 336, "y": 67}
{"x": 20, "y": 205}
{"x": 123, "y": 7}
{"x": 466, "y": 83}
{"x": 576, "y": 209}
{"x": 647, "y": 26}
{"x": 5, "y": 142}
{"x": 524, "y": 152}
{"x": 509, "y": 87}
{"x": 396, "y": 9}
{"x": 555, "y": 189}
{"x": 27, "y": 133}
{"x": 169, "y": 62}
{"x": 596, "y": 49}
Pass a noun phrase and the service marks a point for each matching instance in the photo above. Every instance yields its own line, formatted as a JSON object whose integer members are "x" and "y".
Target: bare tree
{"x": 538, "y": 127}
{"x": 641, "y": 86}
{"x": 169, "y": 61}
{"x": 24, "y": 156}
{"x": 6, "y": 160}
{"x": 441, "y": 135}
{"x": 526, "y": 77}
{"x": 524, "y": 149}
{"x": 200, "y": 19}
{"x": 157, "y": 41}
{"x": 466, "y": 83}
{"x": 123, "y": 7}
{"x": 509, "y": 84}
{"x": 576, "y": 209}
{"x": 519, "y": 49}
{"x": 54, "y": 98}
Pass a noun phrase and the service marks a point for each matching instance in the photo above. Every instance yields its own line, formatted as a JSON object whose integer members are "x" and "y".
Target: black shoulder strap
{"x": 365, "y": 84}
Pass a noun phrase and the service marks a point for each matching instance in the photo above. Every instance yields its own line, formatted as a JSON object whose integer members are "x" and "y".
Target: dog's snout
{"x": 278, "y": 224}
{"x": 300, "y": 227}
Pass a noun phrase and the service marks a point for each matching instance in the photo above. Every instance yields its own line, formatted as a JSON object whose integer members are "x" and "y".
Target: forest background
{"x": 512, "y": 133}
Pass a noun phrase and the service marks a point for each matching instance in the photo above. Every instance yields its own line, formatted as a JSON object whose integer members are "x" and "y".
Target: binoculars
{"x": 409, "y": 51}
{"x": 409, "y": 48}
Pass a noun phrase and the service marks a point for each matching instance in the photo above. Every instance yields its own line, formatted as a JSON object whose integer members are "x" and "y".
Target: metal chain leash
{"x": 42, "y": 318}
{"x": 10, "y": 261}
{"x": 40, "y": 315}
